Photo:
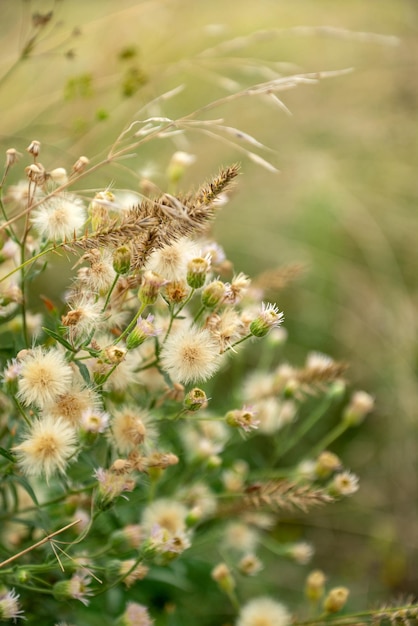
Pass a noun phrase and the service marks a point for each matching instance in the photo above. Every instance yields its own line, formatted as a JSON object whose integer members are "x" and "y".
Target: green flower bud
{"x": 214, "y": 294}
{"x": 197, "y": 270}
{"x": 122, "y": 260}
{"x": 196, "y": 399}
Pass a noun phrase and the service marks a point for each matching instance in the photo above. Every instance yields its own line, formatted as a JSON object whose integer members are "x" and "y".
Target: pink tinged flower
{"x": 112, "y": 485}
{"x": 244, "y": 418}
{"x": 135, "y": 615}
{"x": 75, "y": 588}
{"x": 44, "y": 376}
{"x": 9, "y": 606}
{"x": 12, "y": 371}
{"x": 143, "y": 330}
{"x": 48, "y": 447}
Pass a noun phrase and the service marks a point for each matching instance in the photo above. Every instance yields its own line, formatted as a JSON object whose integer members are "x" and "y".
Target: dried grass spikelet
{"x": 278, "y": 278}
{"x": 332, "y": 371}
{"x": 155, "y": 223}
{"x": 277, "y": 495}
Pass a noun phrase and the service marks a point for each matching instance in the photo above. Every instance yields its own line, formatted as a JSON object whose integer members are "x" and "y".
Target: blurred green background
{"x": 343, "y": 204}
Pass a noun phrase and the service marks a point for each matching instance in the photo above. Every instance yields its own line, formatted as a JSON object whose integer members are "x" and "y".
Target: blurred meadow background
{"x": 341, "y": 210}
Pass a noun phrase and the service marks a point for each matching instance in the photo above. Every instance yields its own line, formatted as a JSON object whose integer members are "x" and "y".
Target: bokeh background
{"x": 343, "y": 205}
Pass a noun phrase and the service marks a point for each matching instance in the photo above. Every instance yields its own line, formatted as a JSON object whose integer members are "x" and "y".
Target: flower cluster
{"x": 108, "y": 438}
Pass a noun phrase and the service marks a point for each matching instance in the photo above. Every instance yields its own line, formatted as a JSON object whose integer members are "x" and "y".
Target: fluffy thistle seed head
{"x": 47, "y": 448}
{"x": 59, "y": 217}
{"x": 171, "y": 260}
{"x": 190, "y": 355}
{"x": 263, "y": 611}
{"x": 130, "y": 428}
{"x": 44, "y": 376}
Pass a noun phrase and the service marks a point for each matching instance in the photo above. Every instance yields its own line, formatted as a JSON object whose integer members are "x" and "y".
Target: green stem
{"x": 121, "y": 578}
{"x": 233, "y": 598}
{"x": 31, "y": 260}
{"x": 239, "y": 341}
{"x": 199, "y": 313}
{"x": 336, "y": 432}
{"x": 21, "y": 411}
{"x": 33, "y": 589}
{"x": 110, "y": 292}
{"x": 153, "y": 363}
{"x": 23, "y": 289}
{"x": 176, "y": 314}
{"x": 131, "y": 324}
{"x": 307, "y": 425}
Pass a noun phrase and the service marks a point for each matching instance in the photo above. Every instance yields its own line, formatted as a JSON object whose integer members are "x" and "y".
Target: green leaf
{"x": 26, "y": 486}
{"x": 58, "y": 338}
{"x": 7, "y": 455}
{"x": 84, "y": 372}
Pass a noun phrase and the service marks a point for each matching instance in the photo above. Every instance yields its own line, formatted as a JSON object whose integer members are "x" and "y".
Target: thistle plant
{"x": 145, "y": 464}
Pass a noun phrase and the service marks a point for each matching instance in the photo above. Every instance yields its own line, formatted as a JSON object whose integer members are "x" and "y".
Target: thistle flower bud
{"x": 361, "y": 404}
{"x": 336, "y": 599}
{"x": 150, "y": 287}
{"x": 176, "y": 291}
{"x": 223, "y": 576}
{"x": 34, "y": 148}
{"x": 23, "y": 575}
{"x": 197, "y": 270}
{"x": 196, "y": 399}
{"x": 59, "y": 176}
{"x": 301, "y": 552}
{"x": 99, "y": 209}
{"x": 269, "y": 318}
{"x": 214, "y": 294}
{"x": 127, "y": 538}
{"x": 193, "y": 517}
{"x": 336, "y": 389}
{"x": 144, "y": 328}
{"x": 110, "y": 486}
{"x": 243, "y": 418}
{"x": 74, "y": 588}
{"x": 343, "y": 484}
{"x": 12, "y": 157}
{"x": 326, "y": 464}
{"x": 250, "y": 565}
{"x": 36, "y": 173}
{"x": 113, "y": 355}
{"x": 122, "y": 260}
{"x": 178, "y": 164}
{"x": 81, "y": 164}
{"x": 315, "y": 585}
{"x": 214, "y": 461}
